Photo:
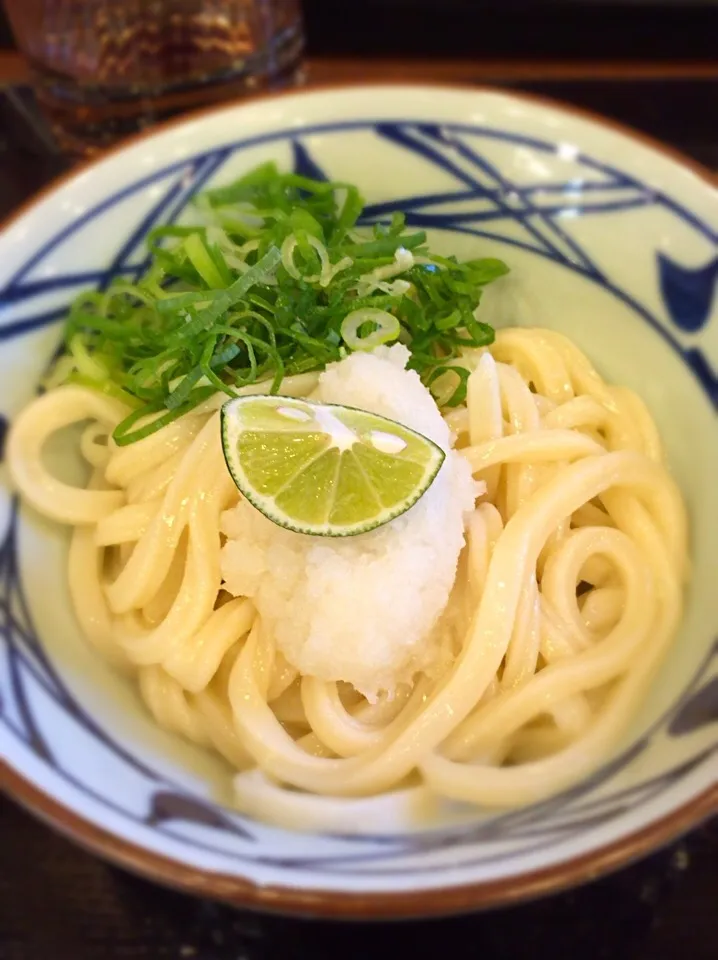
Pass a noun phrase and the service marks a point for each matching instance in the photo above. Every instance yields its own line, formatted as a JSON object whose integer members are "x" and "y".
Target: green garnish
{"x": 277, "y": 280}
{"x": 324, "y": 469}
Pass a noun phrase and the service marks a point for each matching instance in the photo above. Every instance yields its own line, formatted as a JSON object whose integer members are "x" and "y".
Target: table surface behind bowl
{"x": 59, "y": 903}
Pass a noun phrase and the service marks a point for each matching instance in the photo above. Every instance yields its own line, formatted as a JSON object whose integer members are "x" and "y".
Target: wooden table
{"x": 14, "y": 70}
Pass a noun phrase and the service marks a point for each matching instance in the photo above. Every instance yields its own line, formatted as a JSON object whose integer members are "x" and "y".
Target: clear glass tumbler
{"x": 106, "y": 68}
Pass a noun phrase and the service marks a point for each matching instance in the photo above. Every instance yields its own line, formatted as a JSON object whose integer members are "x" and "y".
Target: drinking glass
{"x": 105, "y": 68}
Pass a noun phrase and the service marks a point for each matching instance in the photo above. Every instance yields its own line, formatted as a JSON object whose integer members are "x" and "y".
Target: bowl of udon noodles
{"x": 261, "y": 652}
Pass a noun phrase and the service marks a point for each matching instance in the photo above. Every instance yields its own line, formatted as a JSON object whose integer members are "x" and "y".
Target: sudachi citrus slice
{"x": 324, "y": 469}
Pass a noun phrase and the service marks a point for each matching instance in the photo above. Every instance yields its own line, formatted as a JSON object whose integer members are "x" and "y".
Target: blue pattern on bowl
{"x": 687, "y": 294}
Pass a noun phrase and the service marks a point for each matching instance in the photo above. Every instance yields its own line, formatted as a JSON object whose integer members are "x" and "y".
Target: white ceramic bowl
{"x": 611, "y": 240}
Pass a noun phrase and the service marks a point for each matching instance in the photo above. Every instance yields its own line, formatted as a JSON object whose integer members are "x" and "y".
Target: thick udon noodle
{"x": 568, "y": 594}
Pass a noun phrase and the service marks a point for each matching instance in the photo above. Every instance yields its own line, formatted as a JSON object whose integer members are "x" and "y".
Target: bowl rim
{"x": 333, "y": 904}
{"x": 358, "y": 905}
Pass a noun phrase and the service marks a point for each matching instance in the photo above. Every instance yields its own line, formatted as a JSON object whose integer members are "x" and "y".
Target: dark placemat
{"x": 59, "y": 903}
{"x": 545, "y": 29}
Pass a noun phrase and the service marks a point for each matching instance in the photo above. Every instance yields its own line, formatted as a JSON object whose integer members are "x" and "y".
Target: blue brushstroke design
{"x": 410, "y": 139}
{"x": 688, "y": 291}
{"x": 18, "y": 630}
{"x": 564, "y": 208}
{"x": 700, "y": 366}
{"x": 27, "y": 325}
{"x": 4, "y": 425}
{"x": 529, "y": 214}
{"x": 304, "y": 164}
{"x": 700, "y": 710}
{"x": 35, "y": 288}
{"x": 168, "y": 805}
{"x": 165, "y": 211}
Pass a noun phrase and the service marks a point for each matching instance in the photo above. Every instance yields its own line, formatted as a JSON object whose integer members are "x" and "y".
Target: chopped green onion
{"x": 202, "y": 261}
{"x": 450, "y": 394}
{"x": 227, "y": 298}
{"x": 386, "y": 328}
{"x": 385, "y": 247}
{"x": 276, "y": 280}
{"x": 123, "y": 433}
{"x": 87, "y": 365}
